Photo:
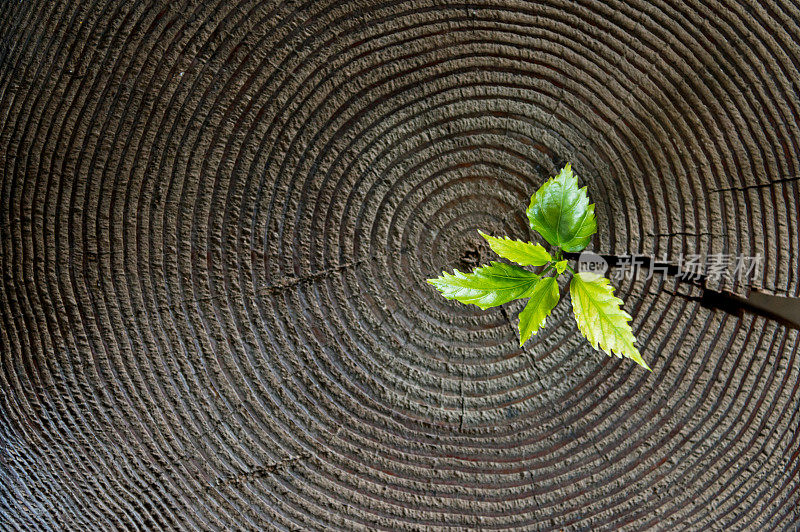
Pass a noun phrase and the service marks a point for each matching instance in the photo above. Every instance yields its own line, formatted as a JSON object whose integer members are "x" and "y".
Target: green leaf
{"x": 561, "y": 266}
{"x": 487, "y": 286}
{"x": 524, "y": 253}
{"x": 600, "y": 318}
{"x": 543, "y": 298}
{"x": 561, "y": 213}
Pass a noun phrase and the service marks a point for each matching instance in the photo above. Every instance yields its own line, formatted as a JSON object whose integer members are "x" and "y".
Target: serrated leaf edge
{"x": 635, "y": 355}
{"x": 537, "y": 301}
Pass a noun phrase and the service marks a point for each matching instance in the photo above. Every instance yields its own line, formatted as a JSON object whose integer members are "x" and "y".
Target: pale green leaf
{"x": 561, "y": 266}
{"x": 543, "y": 298}
{"x": 600, "y": 318}
{"x": 524, "y": 253}
{"x": 487, "y": 286}
{"x": 561, "y": 213}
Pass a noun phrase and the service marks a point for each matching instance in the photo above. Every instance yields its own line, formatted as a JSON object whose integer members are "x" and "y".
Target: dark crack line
{"x": 685, "y": 233}
{"x": 285, "y": 284}
{"x": 504, "y": 312}
{"x": 760, "y": 185}
{"x": 323, "y": 274}
{"x": 182, "y": 458}
{"x": 312, "y": 277}
{"x": 674, "y": 293}
{"x": 261, "y": 471}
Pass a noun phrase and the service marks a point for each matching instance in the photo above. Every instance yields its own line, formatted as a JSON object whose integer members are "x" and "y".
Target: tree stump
{"x": 217, "y": 219}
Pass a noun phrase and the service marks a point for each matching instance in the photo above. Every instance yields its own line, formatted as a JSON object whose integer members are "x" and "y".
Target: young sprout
{"x": 560, "y": 212}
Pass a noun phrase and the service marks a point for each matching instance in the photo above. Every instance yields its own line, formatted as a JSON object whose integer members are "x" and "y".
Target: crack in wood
{"x": 262, "y": 471}
{"x": 759, "y": 185}
{"x": 684, "y": 233}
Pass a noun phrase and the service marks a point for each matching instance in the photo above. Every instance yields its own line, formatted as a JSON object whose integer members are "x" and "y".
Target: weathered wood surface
{"x": 216, "y": 218}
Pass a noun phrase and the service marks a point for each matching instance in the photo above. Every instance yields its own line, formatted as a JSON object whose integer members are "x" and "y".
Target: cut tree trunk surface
{"x": 216, "y": 219}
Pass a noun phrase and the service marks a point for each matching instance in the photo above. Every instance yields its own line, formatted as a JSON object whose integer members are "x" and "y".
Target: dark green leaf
{"x": 561, "y": 213}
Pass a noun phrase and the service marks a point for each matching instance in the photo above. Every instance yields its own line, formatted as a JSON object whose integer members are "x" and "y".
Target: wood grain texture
{"x": 216, "y": 219}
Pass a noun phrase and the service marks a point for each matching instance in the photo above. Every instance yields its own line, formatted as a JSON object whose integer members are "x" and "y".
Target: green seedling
{"x": 560, "y": 212}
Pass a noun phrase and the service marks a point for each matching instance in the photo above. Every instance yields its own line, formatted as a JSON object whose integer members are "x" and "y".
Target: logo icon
{"x": 591, "y": 262}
